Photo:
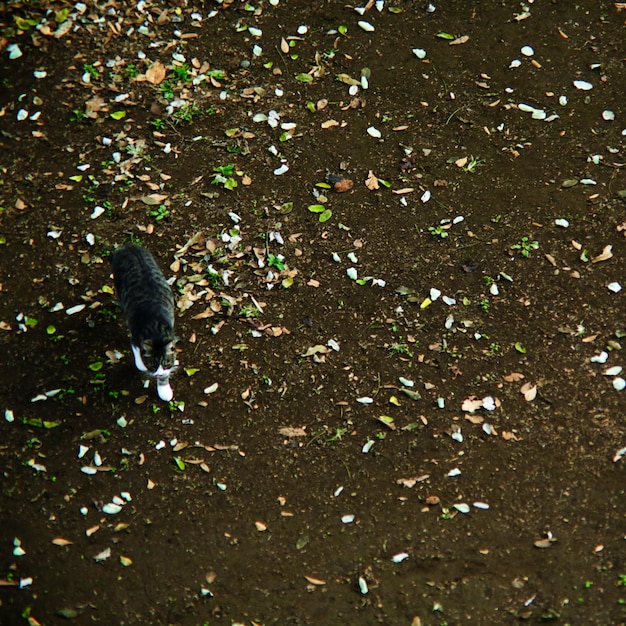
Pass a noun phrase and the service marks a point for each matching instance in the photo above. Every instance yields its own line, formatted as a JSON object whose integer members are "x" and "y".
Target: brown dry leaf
{"x": 20, "y": 205}
{"x": 513, "y": 377}
{"x": 371, "y": 181}
{"x": 315, "y": 581}
{"x": 399, "y": 128}
{"x": 141, "y": 399}
{"x": 318, "y": 349}
{"x": 59, "y": 541}
{"x": 529, "y": 391}
{"x": 589, "y": 338}
{"x": 156, "y": 73}
{"x": 94, "y": 105}
{"x": 543, "y": 543}
{"x": 462, "y": 162}
{"x": 246, "y": 180}
{"x": 284, "y": 46}
{"x": 412, "y": 481}
{"x": 290, "y": 431}
{"x": 154, "y": 198}
{"x": 321, "y": 104}
{"x": 432, "y": 500}
{"x": 459, "y": 40}
{"x": 260, "y": 526}
{"x": 329, "y": 123}
{"x": 551, "y": 259}
{"x": 471, "y": 404}
{"x": 402, "y": 191}
{"x": 509, "y": 436}
{"x": 475, "y": 419}
{"x": 150, "y": 484}
{"x": 313, "y": 282}
{"x": 92, "y": 530}
{"x": 605, "y": 255}
{"x": 343, "y": 185}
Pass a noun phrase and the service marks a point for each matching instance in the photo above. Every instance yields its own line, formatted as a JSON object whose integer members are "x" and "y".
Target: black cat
{"x": 148, "y": 305}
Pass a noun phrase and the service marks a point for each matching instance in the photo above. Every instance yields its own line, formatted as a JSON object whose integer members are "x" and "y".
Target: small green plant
{"x": 494, "y": 350}
{"x": 186, "y": 113}
{"x": 438, "y": 231}
{"x": 181, "y": 72}
{"x": 131, "y": 71}
{"x": 248, "y": 311}
{"x": 91, "y": 70}
{"x": 276, "y": 261}
{"x": 78, "y": 116}
{"x": 473, "y": 163}
{"x": 224, "y": 176}
{"x": 400, "y": 349}
{"x": 167, "y": 90}
{"x": 159, "y": 213}
{"x": 621, "y": 580}
{"x": 158, "y": 123}
{"x": 484, "y": 304}
{"x": 525, "y": 246}
{"x": 339, "y": 433}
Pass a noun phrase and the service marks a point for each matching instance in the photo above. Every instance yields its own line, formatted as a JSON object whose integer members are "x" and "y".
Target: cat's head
{"x": 158, "y": 355}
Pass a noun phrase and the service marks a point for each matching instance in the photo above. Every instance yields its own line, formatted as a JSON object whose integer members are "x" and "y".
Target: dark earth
{"x": 470, "y": 244}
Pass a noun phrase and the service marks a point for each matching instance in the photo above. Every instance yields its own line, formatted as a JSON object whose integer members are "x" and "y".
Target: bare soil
{"x": 472, "y": 248}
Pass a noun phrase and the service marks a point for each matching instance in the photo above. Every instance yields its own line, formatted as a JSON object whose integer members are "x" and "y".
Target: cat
{"x": 148, "y": 305}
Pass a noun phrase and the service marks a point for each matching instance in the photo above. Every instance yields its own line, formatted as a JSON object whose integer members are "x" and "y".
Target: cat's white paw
{"x": 138, "y": 360}
{"x": 165, "y": 392}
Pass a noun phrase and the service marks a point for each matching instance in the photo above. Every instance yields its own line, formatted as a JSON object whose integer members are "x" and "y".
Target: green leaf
{"x": 326, "y": 215}
{"x": 76, "y": 178}
{"x": 190, "y": 371}
{"x": 118, "y": 115}
{"x": 311, "y": 106}
{"x": 51, "y": 330}
{"x": 520, "y": 348}
{"x": 395, "y": 10}
{"x": 31, "y": 322}
{"x": 230, "y": 184}
{"x": 287, "y": 282}
{"x": 317, "y": 208}
{"x": 37, "y": 422}
{"x": 61, "y": 16}
{"x": 179, "y": 463}
{"x": 445, "y": 36}
{"x": 384, "y": 183}
{"x": 96, "y": 367}
{"x": 342, "y": 29}
{"x": 3, "y": 240}
{"x": 286, "y": 136}
{"x": 411, "y": 394}
{"x": 230, "y": 132}
{"x": 304, "y": 78}
{"x": 323, "y": 185}
{"x": 286, "y": 207}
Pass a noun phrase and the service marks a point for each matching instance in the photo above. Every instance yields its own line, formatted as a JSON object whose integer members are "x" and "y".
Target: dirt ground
{"x": 395, "y": 233}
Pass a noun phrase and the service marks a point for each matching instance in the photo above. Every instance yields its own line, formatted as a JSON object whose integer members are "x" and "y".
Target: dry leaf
{"x": 462, "y": 162}
{"x": 529, "y": 391}
{"x": 402, "y": 191}
{"x": 513, "y": 377}
{"x": 371, "y": 182}
{"x": 284, "y": 46}
{"x": 260, "y": 526}
{"x": 156, "y": 73}
{"x": 59, "y": 541}
{"x": 289, "y": 431}
{"x": 459, "y": 40}
{"x": 329, "y": 124}
{"x": 471, "y": 404}
{"x": 315, "y": 581}
{"x": 343, "y": 185}
{"x": 605, "y": 255}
